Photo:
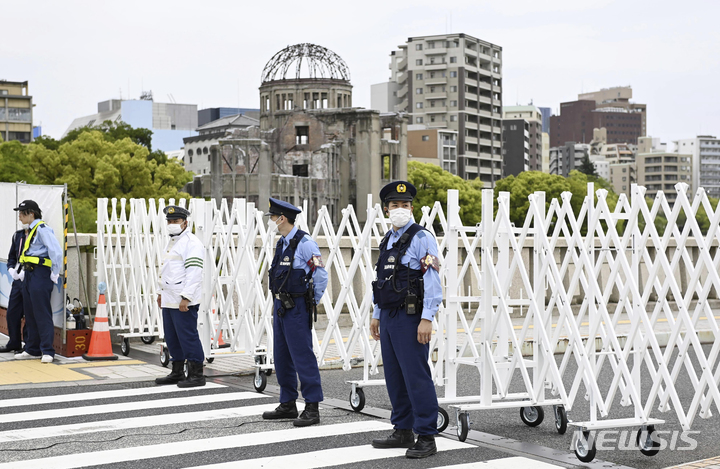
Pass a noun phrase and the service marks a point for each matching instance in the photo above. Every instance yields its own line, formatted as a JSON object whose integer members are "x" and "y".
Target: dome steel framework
{"x": 319, "y": 62}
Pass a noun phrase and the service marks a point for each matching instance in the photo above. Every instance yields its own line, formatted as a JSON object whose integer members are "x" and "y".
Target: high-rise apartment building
{"x": 16, "y": 111}
{"x": 512, "y": 150}
{"x": 451, "y": 81}
{"x": 705, "y": 151}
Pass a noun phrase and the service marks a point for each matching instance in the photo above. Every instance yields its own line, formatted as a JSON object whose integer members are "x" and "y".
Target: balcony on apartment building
{"x": 436, "y": 109}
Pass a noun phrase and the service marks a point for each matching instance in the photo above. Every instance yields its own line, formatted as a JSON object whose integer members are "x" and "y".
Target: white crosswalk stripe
{"x": 126, "y": 406}
{"x": 330, "y": 457}
{"x": 86, "y": 396}
{"x": 319, "y": 446}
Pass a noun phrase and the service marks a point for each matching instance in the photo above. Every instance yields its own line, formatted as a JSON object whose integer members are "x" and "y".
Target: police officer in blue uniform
{"x": 40, "y": 258}
{"x": 297, "y": 281}
{"x": 15, "y": 311}
{"x": 407, "y": 293}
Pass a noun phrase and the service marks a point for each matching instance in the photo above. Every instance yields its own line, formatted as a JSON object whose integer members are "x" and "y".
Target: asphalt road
{"x": 504, "y": 424}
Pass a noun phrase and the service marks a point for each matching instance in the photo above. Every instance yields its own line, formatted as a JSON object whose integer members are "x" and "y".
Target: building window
{"x": 300, "y": 170}
{"x": 453, "y": 118}
{"x": 191, "y": 160}
{"x": 205, "y": 150}
{"x": 208, "y": 157}
{"x": 453, "y": 74}
{"x": 418, "y": 76}
{"x": 453, "y": 89}
{"x": 418, "y": 62}
{"x": 302, "y": 135}
{"x": 453, "y": 103}
{"x": 418, "y": 91}
{"x": 419, "y": 105}
{"x": 453, "y": 60}
{"x": 418, "y": 120}
{"x": 425, "y": 138}
{"x": 418, "y": 46}
{"x": 513, "y": 127}
{"x": 190, "y": 152}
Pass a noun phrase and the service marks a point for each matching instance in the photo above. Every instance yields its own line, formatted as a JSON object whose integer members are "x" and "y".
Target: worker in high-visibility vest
{"x": 40, "y": 260}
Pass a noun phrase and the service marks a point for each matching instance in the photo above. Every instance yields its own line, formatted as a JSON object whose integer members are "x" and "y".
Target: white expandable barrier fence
{"x": 557, "y": 272}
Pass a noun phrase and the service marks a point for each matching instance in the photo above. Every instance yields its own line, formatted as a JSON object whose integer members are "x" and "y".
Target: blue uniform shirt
{"x": 306, "y": 249}
{"x": 44, "y": 244}
{"x": 421, "y": 245}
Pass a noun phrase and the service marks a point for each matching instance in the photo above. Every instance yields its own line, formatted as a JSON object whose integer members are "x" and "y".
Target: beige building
{"x": 16, "y": 111}
{"x": 661, "y": 170}
{"x": 617, "y": 97}
{"x": 451, "y": 81}
{"x": 622, "y": 177}
{"x": 435, "y": 146}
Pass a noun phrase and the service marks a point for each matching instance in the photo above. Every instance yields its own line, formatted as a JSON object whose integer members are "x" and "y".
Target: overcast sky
{"x": 77, "y": 53}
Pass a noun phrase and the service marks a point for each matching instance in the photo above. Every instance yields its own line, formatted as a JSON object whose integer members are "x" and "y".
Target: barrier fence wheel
{"x": 164, "y": 356}
{"x": 148, "y": 339}
{"x": 647, "y": 441}
{"x": 210, "y": 359}
{"x": 443, "y": 419}
{"x": 463, "y": 426}
{"x": 561, "y": 420}
{"x": 125, "y": 347}
{"x": 532, "y": 416}
{"x": 357, "y": 399}
{"x": 260, "y": 381}
{"x": 584, "y": 446}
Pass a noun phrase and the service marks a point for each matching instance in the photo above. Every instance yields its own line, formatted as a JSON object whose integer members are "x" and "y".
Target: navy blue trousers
{"x": 407, "y": 373}
{"x": 293, "y": 354}
{"x": 181, "y": 334}
{"x": 36, "y": 291}
{"x": 15, "y": 314}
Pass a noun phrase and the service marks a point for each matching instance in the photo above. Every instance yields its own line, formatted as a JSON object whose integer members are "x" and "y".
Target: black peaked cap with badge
{"x": 398, "y": 190}
{"x": 173, "y": 212}
{"x": 280, "y": 207}
{"x": 27, "y": 205}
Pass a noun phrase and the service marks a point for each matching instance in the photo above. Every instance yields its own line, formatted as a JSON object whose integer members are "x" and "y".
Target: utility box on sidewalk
{"x": 77, "y": 343}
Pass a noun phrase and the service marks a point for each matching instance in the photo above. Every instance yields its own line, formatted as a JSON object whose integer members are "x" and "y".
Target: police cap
{"x": 29, "y": 205}
{"x": 398, "y": 190}
{"x": 173, "y": 212}
{"x": 280, "y": 207}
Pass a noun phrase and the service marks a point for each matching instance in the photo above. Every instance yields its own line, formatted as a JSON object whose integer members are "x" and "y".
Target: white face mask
{"x": 272, "y": 226}
{"x": 174, "y": 229}
{"x": 26, "y": 226}
{"x": 400, "y": 217}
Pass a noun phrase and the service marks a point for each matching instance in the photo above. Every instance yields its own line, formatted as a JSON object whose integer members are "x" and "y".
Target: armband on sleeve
{"x": 429, "y": 261}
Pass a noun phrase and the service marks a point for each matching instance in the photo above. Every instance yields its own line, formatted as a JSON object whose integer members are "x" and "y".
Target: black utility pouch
{"x": 411, "y": 303}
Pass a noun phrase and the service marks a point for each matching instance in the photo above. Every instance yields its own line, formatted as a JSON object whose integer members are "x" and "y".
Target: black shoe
{"x": 424, "y": 447}
{"x": 399, "y": 439}
{"x": 309, "y": 416}
{"x": 175, "y": 376}
{"x": 10, "y": 349}
{"x": 195, "y": 376}
{"x": 286, "y": 410}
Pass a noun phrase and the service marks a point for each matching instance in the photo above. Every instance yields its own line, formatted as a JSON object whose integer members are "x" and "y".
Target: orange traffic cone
{"x": 100, "y": 347}
{"x": 218, "y": 331}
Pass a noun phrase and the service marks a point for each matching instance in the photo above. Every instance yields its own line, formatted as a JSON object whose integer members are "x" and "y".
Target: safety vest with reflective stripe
{"x": 32, "y": 259}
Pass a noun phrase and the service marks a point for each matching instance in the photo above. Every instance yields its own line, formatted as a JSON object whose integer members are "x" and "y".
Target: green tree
{"x": 432, "y": 183}
{"x": 587, "y": 166}
{"x": 14, "y": 163}
{"x": 521, "y": 186}
{"x": 94, "y": 166}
